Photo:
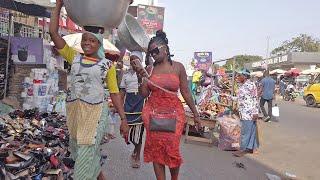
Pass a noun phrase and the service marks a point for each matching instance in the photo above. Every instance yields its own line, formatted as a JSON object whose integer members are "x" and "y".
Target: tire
{"x": 311, "y": 101}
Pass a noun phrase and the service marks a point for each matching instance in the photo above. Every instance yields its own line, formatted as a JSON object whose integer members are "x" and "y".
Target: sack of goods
{"x": 230, "y": 131}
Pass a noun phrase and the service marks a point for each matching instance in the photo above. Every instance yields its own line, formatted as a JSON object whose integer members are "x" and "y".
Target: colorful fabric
{"x": 82, "y": 121}
{"x": 163, "y": 147}
{"x": 249, "y": 139}
{"x": 247, "y": 100}
{"x": 87, "y": 81}
{"x": 196, "y": 76}
{"x": 70, "y": 54}
{"x": 87, "y": 157}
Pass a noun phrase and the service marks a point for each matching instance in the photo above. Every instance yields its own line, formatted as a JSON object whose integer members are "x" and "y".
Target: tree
{"x": 302, "y": 43}
{"x": 241, "y": 60}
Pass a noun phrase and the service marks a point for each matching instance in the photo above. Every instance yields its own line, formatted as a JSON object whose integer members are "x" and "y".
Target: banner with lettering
{"x": 203, "y": 60}
{"x": 151, "y": 18}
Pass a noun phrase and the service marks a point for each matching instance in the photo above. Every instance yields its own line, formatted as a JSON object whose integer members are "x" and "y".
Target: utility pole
{"x": 268, "y": 43}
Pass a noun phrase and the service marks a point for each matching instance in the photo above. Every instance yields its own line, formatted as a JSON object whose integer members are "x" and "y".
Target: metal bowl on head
{"x": 99, "y": 13}
{"x": 132, "y": 35}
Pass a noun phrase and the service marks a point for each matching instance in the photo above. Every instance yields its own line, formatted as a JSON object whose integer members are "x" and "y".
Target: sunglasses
{"x": 155, "y": 51}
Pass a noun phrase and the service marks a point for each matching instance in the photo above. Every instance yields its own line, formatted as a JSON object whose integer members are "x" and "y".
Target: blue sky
{"x": 233, "y": 27}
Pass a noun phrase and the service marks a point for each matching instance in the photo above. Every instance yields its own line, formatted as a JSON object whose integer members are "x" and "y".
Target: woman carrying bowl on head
{"x": 163, "y": 114}
{"x": 86, "y": 111}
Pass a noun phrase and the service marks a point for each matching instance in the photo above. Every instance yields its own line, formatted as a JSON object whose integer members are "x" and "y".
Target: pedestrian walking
{"x": 248, "y": 110}
{"x": 87, "y": 111}
{"x": 268, "y": 86}
{"x": 163, "y": 114}
{"x": 133, "y": 104}
{"x": 282, "y": 86}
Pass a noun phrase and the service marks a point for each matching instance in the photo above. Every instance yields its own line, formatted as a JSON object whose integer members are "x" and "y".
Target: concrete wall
{"x": 306, "y": 57}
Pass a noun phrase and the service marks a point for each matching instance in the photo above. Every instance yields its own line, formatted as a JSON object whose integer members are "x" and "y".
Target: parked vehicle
{"x": 311, "y": 93}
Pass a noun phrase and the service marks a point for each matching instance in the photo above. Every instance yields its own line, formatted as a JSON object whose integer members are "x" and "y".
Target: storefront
{"x": 299, "y": 60}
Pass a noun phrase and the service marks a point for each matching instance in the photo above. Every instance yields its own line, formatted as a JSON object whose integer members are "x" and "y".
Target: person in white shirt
{"x": 133, "y": 104}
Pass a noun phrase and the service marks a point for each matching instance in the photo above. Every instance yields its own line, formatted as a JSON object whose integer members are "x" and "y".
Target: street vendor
{"x": 86, "y": 111}
{"x": 248, "y": 111}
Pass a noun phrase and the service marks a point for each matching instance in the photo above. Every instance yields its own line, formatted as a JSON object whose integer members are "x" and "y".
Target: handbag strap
{"x": 156, "y": 85}
{"x": 159, "y": 87}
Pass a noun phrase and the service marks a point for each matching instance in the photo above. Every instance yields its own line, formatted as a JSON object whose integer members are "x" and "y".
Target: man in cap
{"x": 248, "y": 110}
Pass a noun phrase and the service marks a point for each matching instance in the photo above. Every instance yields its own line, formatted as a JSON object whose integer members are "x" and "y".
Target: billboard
{"x": 203, "y": 60}
{"x": 151, "y": 18}
{"x": 26, "y": 50}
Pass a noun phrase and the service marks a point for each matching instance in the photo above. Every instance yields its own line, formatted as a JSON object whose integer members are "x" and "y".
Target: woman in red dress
{"x": 161, "y": 88}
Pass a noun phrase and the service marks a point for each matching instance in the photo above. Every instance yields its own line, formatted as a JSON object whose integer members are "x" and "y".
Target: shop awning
{"x": 26, "y": 8}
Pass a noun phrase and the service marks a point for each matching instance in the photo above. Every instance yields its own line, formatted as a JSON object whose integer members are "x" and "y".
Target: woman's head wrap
{"x": 100, "y": 52}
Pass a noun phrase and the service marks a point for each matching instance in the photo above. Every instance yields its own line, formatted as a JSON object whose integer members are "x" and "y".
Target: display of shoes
{"x": 34, "y": 145}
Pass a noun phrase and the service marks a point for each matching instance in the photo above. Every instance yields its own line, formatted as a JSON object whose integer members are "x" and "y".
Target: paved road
{"x": 288, "y": 146}
{"x": 293, "y": 144}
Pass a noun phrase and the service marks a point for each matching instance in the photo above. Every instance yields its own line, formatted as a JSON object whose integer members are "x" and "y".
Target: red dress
{"x": 163, "y": 147}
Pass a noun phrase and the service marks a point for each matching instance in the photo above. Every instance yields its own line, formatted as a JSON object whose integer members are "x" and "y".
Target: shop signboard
{"x": 151, "y": 18}
{"x": 270, "y": 61}
{"x": 203, "y": 60}
{"x": 27, "y": 50}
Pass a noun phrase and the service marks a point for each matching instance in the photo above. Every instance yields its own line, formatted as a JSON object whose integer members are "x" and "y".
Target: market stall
{"x": 214, "y": 106}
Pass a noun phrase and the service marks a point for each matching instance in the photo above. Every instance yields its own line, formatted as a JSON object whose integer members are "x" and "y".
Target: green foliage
{"x": 302, "y": 43}
{"x": 240, "y": 61}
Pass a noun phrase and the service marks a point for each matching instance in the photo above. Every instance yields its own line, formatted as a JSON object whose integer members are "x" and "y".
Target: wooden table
{"x": 210, "y": 123}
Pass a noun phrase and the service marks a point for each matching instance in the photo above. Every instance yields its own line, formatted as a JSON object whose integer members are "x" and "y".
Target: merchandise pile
{"x": 40, "y": 88}
{"x": 214, "y": 102}
{"x": 34, "y": 145}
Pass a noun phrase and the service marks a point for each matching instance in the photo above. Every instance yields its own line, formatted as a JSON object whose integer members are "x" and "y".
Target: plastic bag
{"x": 275, "y": 111}
{"x": 230, "y": 131}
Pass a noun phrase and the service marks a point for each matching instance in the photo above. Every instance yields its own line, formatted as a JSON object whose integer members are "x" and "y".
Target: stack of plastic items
{"x": 39, "y": 89}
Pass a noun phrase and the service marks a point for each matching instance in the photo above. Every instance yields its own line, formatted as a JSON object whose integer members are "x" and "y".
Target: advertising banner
{"x": 151, "y": 18}
{"x": 27, "y": 50}
{"x": 203, "y": 60}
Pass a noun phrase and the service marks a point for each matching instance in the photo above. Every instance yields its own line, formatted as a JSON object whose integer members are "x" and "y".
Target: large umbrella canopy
{"x": 277, "y": 71}
{"x": 293, "y": 72}
{"x": 317, "y": 70}
{"x": 257, "y": 74}
{"x": 308, "y": 71}
{"x": 74, "y": 41}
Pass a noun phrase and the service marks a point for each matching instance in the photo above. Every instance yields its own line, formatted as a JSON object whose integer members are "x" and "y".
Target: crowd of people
{"x": 146, "y": 100}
